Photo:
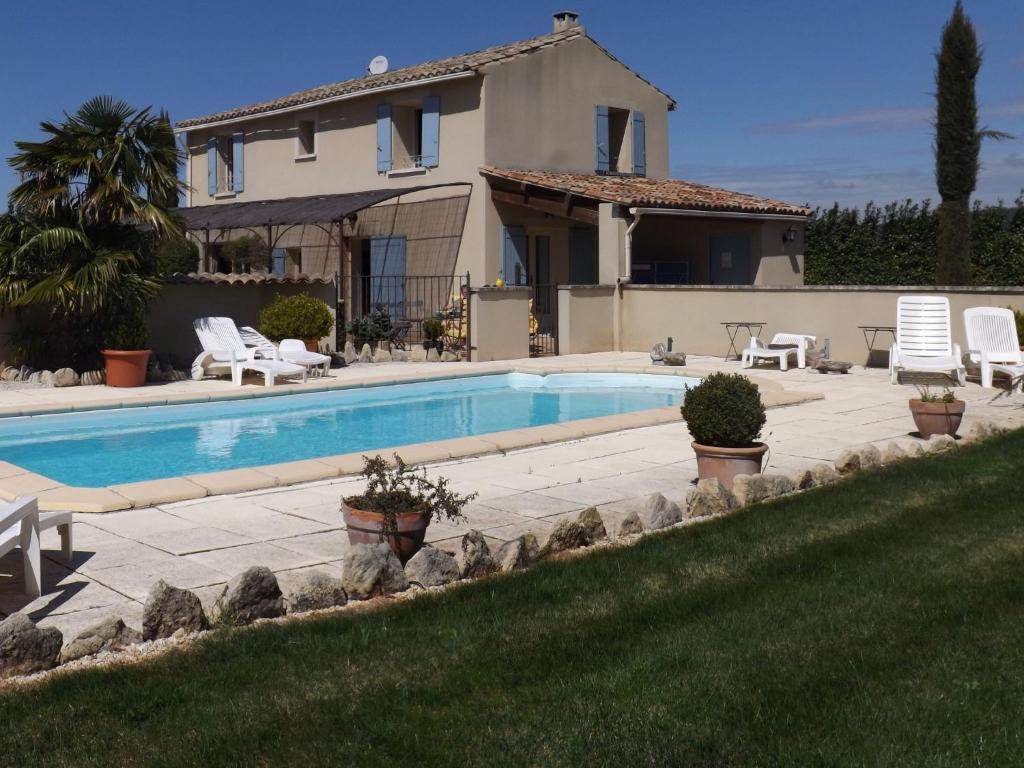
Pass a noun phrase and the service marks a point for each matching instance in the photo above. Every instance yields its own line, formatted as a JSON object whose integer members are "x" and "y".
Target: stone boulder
{"x": 431, "y": 567}
{"x": 591, "y": 520}
{"x": 870, "y": 456}
{"x": 317, "y": 591}
{"x": 36, "y": 377}
{"x": 370, "y": 570}
{"x": 110, "y": 634}
{"x": 9, "y": 374}
{"x": 252, "y": 594}
{"x": 751, "y": 489}
{"x": 418, "y": 355}
{"x": 914, "y": 449}
{"x": 65, "y": 377}
{"x": 631, "y": 525}
{"x": 382, "y": 356}
{"x": 566, "y": 535}
{"x": 92, "y": 378}
{"x": 710, "y": 499}
{"x": 658, "y": 512}
{"x": 940, "y": 443}
{"x": 350, "y": 355}
{"x": 365, "y": 354}
{"x": 400, "y": 356}
{"x": 848, "y": 462}
{"x": 517, "y": 554}
{"x": 169, "y": 609}
{"x": 893, "y": 453}
{"x": 47, "y": 378}
{"x": 802, "y": 479}
{"x": 824, "y": 474}
{"x": 449, "y": 357}
{"x": 433, "y": 356}
{"x": 25, "y": 648}
{"x": 474, "y": 556}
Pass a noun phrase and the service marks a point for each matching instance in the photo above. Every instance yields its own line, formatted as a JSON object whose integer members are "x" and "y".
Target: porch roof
{"x": 313, "y": 209}
{"x": 643, "y": 192}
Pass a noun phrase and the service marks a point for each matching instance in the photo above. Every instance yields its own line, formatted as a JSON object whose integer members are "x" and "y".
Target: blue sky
{"x": 803, "y": 100}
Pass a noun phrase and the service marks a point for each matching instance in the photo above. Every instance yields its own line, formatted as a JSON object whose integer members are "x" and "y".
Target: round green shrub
{"x": 724, "y": 410}
{"x": 296, "y": 317}
{"x": 433, "y": 329}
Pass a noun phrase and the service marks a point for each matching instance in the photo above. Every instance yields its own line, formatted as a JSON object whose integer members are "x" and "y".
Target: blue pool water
{"x": 101, "y": 448}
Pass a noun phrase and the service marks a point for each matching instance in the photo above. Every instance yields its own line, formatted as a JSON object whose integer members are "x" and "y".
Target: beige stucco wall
{"x": 693, "y": 315}
{"x": 499, "y": 324}
{"x": 586, "y": 320}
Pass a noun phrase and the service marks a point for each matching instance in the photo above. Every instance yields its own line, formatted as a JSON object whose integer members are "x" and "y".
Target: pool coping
{"x": 53, "y": 495}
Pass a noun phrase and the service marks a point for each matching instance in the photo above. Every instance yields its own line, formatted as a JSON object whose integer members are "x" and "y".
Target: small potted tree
{"x": 398, "y": 505}
{"x": 725, "y": 415}
{"x": 297, "y": 317}
{"x": 937, "y": 414}
{"x": 433, "y": 330}
{"x": 125, "y": 352}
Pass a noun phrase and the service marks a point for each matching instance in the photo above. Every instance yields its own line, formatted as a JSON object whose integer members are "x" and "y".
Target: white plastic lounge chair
{"x": 992, "y": 343}
{"x": 289, "y": 350}
{"x": 225, "y": 352}
{"x": 779, "y": 348}
{"x": 924, "y": 339}
{"x": 21, "y": 523}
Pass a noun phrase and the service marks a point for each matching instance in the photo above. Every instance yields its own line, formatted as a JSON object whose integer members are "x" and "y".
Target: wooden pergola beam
{"x": 561, "y": 208}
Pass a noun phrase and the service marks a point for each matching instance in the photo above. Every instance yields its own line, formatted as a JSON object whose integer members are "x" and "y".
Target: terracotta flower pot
{"x": 312, "y": 345}
{"x": 125, "y": 367}
{"x": 937, "y": 418}
{"x": 364, "y": 528}
{"x": 726, "y": 463}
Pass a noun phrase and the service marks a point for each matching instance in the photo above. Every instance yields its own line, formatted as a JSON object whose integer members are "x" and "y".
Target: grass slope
{"x": 876, "y": 622}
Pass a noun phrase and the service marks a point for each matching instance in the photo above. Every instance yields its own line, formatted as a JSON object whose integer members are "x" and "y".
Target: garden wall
{"x": 499, "y": 323}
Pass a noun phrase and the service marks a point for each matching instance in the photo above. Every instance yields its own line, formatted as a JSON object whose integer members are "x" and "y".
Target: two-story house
{"x": 539, "y": 162}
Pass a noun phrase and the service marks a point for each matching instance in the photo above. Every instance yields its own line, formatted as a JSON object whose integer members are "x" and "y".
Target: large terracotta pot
{"x": 125, "y": 367}
{"x": 726, "y": 463}
{"x": 364, "y": 528}
{"x": 312, "y": 345}
{"x": 937, "y": 418}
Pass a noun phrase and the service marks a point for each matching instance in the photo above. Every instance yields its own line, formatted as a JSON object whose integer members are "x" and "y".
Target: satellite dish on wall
{"x": 378, "y": 65}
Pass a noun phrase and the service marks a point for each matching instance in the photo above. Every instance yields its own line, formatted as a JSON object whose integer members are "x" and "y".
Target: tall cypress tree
{"x": 957, "y": 142}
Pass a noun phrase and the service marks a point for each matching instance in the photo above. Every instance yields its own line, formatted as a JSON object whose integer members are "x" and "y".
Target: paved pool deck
{"x": 200, "y": 543}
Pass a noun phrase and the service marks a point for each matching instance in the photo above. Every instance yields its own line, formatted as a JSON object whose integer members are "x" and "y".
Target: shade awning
{"x": 313, "y": 209}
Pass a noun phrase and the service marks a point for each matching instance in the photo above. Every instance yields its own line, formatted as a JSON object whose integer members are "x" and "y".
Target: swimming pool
{"x": 100, "y": 448}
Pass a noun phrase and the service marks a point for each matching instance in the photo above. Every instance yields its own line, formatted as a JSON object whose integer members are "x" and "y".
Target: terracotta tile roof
{"x": 468, "y": 62}
{"x": 642, "y": 192}
{"x": 222, "y": 278}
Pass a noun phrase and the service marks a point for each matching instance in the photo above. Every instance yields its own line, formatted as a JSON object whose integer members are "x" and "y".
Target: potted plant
{"x": 125, "y": 354}
{"x": 724, "y": 414}
{"x": 433, "y": 330}
{"x": 398, "y": 505}
{"x": 371, "y": 328}
{"x": 297, "y": 317}
{"x": 937, "y": 414}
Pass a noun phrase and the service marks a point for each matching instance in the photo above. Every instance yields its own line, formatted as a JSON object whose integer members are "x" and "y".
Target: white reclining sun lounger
{"x": 992, "y": 344}
{"x": 225, "y": 352}
{"x": 289, "y": 350}
{"x": 21, "y": 522}
{"x": 779, "y": 348}
{"x": 924, "y": 339}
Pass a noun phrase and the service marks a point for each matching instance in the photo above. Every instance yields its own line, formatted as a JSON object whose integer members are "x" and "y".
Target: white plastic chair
{"x": 289, "y": 350}
{"x": 779, "y": 348}
{"x": 924, "y": 339}
{"x": 225, "y": 352}
{"x": 993, "y": 345}
{"x": 21, "y": 524}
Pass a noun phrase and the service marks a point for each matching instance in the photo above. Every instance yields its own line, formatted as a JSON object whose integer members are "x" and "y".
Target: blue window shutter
{"x": 431, "y": 130}
{"x": 277, "y": 260}
{"x": 387, "y": 274}
{"x": 601, "y": 138}
{"x": 383, "y": 138}
{"x": 237, "y": 161}
{"x": 211, "y": 165}
{"x": 513, "y": 255}
{"x": 639, "y": 144}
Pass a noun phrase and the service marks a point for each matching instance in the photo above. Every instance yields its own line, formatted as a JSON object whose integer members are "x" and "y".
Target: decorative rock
{"x": 350, "y": 356}
{"x": 9, "y": 374}
{"x": 382, "y": 356}
{"x": 567, "y": 535}
{"x": 110, "y": 634}
{"x": 25, "y": 648}
{"x": 432, "y": 567}
{"x": 474, "y": 556}
{"x": 940, "y": 443}
{"x": 36, "y": 377}
{"x": 709, "y": 499}
{"x": 26, "y": 370}
{"x": 169, "y": 609}
{"x": 400, "y": 356}
{"x": 418, "y": 355}
{"x": 893, "y": 453}
{"x": 365, "y": 354}
{"x": 65, "y": 377}
{"x": 631, "y": 525}
{"x": 315, "y": 592}
{"x": 433, "y": 356}
{"x": 914, "y": 449}
{"x": 517, "y": 554}
{"x": 870, "y": 456}
{"x": 252, "y": 594}
{"x": 847, "y": 462}
{"x": 801, "y": 479}
{"x": 92, "y": 378}
{"x": 449, "y": 357}
{"x": 750, "y": 489}
{"x": 372, "y": 569}
{"x": 674, "y": 358}
{"x": 591, "y": 521}
{"x": 47, "y": 378}
{"x": 658, "y": 512}
{"x": 823, "y": 474}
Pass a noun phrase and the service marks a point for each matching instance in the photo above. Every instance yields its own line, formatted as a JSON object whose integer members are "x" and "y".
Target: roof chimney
{"x": 565, "y": 20}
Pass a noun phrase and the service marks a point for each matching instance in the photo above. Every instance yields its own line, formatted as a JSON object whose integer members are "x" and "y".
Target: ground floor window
{"x": 582, "y": 256}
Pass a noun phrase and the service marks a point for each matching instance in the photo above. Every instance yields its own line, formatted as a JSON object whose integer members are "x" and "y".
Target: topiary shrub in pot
{"x": 126, "y": 352}
{"x": 433, "y": 330}
{"x": 297, "y": 317}
{"x": 725, "y": 415}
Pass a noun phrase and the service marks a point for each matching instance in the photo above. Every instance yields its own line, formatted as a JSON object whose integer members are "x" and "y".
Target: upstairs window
{"x": 225, "y": 164}
{"x": 408, "y": 135}
{"x": 224, "y": 159}
{"x": 305, "y": 139}
{"x": 613, "y": 151}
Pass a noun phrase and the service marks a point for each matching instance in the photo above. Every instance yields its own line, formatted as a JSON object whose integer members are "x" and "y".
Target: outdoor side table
{"x": 871, "y": 336}
{"x": 733, "y": 328}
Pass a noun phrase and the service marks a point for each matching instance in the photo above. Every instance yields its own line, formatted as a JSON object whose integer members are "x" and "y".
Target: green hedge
{"x": 895, "y": 245}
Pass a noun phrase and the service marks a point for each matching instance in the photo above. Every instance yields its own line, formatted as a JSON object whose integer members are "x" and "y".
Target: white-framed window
{"x": 225, "y": 164}
{"x": 306, "y": 129}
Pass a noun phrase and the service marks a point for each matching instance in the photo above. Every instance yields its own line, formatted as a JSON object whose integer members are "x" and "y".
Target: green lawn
{"x": 876, "y": 622}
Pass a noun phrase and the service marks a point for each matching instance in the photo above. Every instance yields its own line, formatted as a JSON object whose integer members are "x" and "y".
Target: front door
{"x": 730, "y": 260}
